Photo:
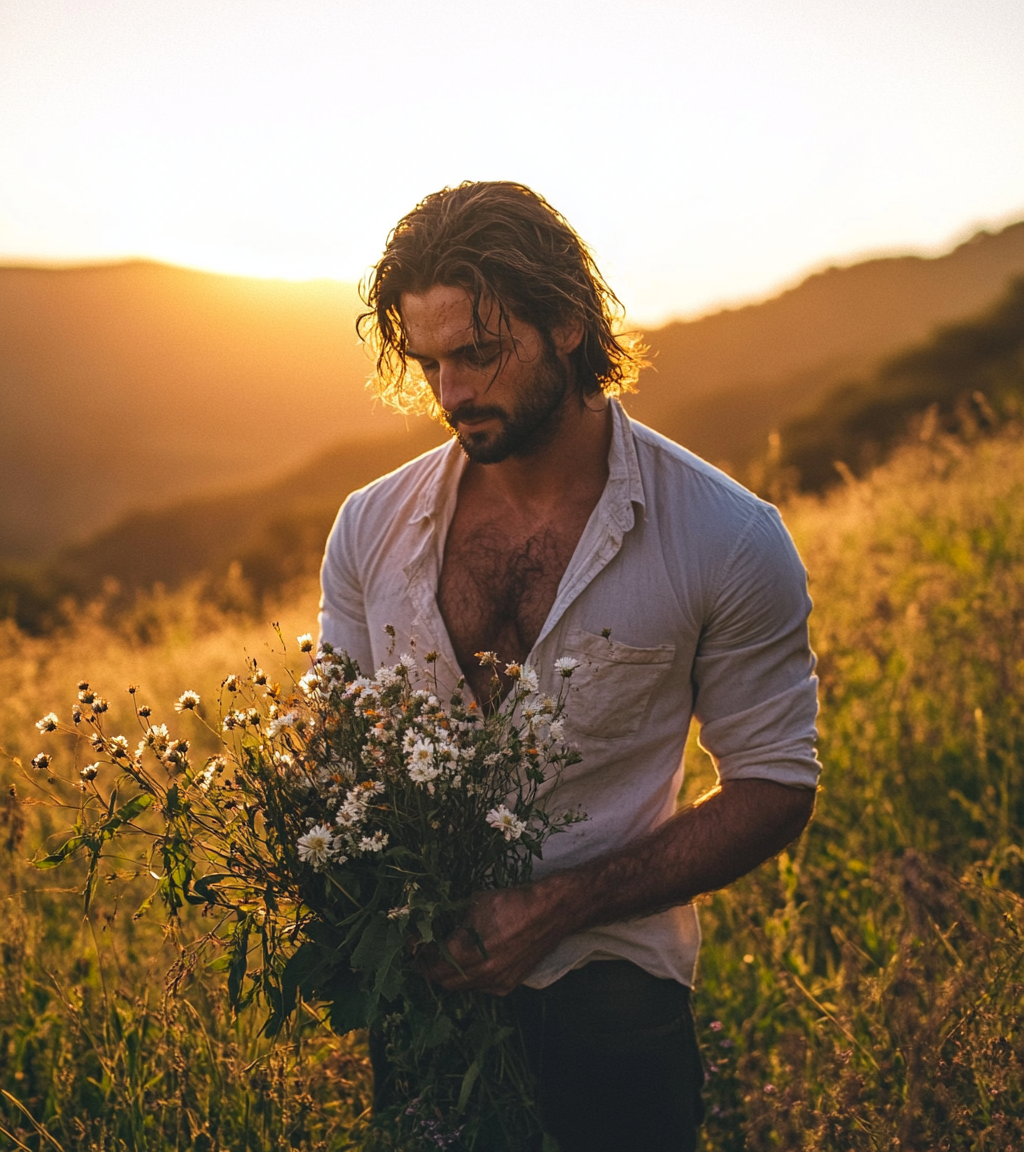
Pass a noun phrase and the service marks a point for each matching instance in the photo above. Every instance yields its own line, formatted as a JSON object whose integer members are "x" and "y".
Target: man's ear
{"x": 567, "y": 337}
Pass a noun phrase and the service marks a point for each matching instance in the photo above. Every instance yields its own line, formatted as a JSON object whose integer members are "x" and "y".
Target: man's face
{"x": 501, "y": 395}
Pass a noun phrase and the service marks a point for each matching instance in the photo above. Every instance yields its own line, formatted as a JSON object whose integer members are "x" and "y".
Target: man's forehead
{"x": 443, "y": 314}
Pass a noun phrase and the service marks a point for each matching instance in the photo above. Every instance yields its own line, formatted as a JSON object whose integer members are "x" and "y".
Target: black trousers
{"x": 615, "y": 1055}
{"x": 616, "y": 1059}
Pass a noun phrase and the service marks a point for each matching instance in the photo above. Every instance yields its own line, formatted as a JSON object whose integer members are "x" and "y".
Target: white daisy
{"x": 423, "y": 773}
{"x": 280, "y": 723}
{"x": 375, "y": 843}
{"x": 317, "y": 846}
{"x": 504, "y": 821}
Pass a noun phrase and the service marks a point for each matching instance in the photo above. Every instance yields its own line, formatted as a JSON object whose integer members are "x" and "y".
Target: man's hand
{"x": 518, "y": 927}
{"x": 701, "y": 849}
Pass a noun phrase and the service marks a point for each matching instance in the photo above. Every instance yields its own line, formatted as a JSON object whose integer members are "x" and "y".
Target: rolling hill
{"x": 138, "y": 384}
{"x": 130, "y": 388}
{"x": 965, "y": 379}
{"x": 721, "y": 383}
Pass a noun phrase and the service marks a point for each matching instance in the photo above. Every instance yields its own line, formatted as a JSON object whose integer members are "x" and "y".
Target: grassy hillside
{"x": 865, "y": 991}
{"x": 136, "y": 386}
{"x": 966, "y": 378}
{"x": 245, "y": 547}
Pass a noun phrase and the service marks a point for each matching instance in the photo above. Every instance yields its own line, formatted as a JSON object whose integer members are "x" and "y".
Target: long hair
{"x": 502, "y": 243}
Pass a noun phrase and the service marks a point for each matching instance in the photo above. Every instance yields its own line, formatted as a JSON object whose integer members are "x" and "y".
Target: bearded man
{"x": 553, "y": 525}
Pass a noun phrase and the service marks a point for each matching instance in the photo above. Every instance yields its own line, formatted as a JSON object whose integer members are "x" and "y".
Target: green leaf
{"x": 467, "y": 1084}
{"x": 439, "y": 1032}
{"x": 203, "y": 892}
{"x": 372, "y": 948}
{"x": 69, "y": 848}
{"x": 239, "y": 962}
{"x": 347, "y": 1002}
{"x": 129, "y": 811}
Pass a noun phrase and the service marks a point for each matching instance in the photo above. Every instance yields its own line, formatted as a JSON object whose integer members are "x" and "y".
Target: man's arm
{"x": 701, "y": 849}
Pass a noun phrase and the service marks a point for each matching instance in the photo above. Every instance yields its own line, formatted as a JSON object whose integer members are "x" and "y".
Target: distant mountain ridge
{"x": 133, "y": 385}
{"x": 719, "y": 384}
{"x": 140, "y": 385}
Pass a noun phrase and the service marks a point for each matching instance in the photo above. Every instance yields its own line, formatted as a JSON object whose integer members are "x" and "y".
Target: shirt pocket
{"x": 613, "y": 684}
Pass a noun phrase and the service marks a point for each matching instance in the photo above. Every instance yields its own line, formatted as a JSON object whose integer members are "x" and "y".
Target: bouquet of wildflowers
{"x": 345, "y": 823}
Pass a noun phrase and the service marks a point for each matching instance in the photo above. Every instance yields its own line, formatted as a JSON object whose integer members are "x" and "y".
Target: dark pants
{"x": 615, "y": 1056}
{"x": 616, "y": 1060}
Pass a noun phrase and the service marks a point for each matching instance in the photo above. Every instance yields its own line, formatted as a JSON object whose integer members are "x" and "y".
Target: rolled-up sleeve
{"x": 343, "y": 621}
{"x": 756, "y": 695}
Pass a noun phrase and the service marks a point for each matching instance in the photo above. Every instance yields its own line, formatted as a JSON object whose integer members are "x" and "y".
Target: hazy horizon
{"x": 712, "y": 153}
{"x": 846, "y": 260}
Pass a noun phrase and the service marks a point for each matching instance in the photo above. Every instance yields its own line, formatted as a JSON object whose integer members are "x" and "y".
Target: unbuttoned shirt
{"x": 685, "y": 597}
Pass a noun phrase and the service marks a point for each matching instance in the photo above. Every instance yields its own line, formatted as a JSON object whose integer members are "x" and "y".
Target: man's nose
{"x": 455, "y": 386}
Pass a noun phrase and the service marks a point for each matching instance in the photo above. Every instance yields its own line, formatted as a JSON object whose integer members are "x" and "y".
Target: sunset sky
{"x": 709, "y": 150}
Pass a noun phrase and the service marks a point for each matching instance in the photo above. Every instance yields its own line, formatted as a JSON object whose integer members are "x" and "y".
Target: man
{"x": 554, "y": 526}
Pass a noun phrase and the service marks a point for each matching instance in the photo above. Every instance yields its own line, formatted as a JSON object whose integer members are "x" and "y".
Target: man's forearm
{"x": 700, "y": 850}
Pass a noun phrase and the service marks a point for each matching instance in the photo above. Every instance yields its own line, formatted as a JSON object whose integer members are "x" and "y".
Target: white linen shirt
{"x": 706, "y": 601}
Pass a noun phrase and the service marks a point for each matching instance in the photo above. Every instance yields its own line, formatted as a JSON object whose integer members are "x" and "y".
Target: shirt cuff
{"x": 773, "y": 740}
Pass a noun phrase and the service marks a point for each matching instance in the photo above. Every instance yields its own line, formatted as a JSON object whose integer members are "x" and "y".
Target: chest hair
{"x": 495, "y": 593}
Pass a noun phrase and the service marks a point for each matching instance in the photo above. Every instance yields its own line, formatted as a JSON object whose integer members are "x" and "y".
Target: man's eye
{"x": 481, "y": 359}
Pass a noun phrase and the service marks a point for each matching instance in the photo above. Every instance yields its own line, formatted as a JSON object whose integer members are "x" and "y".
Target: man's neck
{"x": 572, "y": 463}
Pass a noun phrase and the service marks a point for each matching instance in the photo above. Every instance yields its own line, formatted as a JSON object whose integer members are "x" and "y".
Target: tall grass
{"x": 870, "y": 984}
{"x": 864, "y": 991}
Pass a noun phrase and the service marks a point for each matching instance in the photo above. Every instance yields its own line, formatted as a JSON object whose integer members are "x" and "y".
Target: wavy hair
{"x": 500, "y": 242}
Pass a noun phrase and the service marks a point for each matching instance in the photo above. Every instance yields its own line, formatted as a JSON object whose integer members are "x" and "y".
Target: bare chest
{"x": 498, "y": 583}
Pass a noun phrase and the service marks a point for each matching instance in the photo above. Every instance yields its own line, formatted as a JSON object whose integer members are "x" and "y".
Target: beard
{"x": 530, "y": 425}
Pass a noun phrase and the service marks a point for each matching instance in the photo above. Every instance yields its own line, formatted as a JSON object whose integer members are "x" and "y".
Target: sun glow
{"x": 708, "y": 151}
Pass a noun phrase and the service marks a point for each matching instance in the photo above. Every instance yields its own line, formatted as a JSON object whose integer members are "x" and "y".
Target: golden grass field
{"x": 864, "y": 991}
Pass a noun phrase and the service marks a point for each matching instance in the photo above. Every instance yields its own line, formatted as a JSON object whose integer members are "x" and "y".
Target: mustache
{"x": 470, "y": 412}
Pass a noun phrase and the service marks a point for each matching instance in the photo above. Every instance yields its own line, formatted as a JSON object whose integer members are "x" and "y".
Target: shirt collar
{"x": 442, "y": 484}
{"x": 625, "y": 484}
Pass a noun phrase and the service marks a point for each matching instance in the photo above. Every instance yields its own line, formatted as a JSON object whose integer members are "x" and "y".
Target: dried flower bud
{"x": 41, "y": 762}
{"x": 76, "y": 714}
{"x": 145, "y": 711}
{"x": 89, "y": 771}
